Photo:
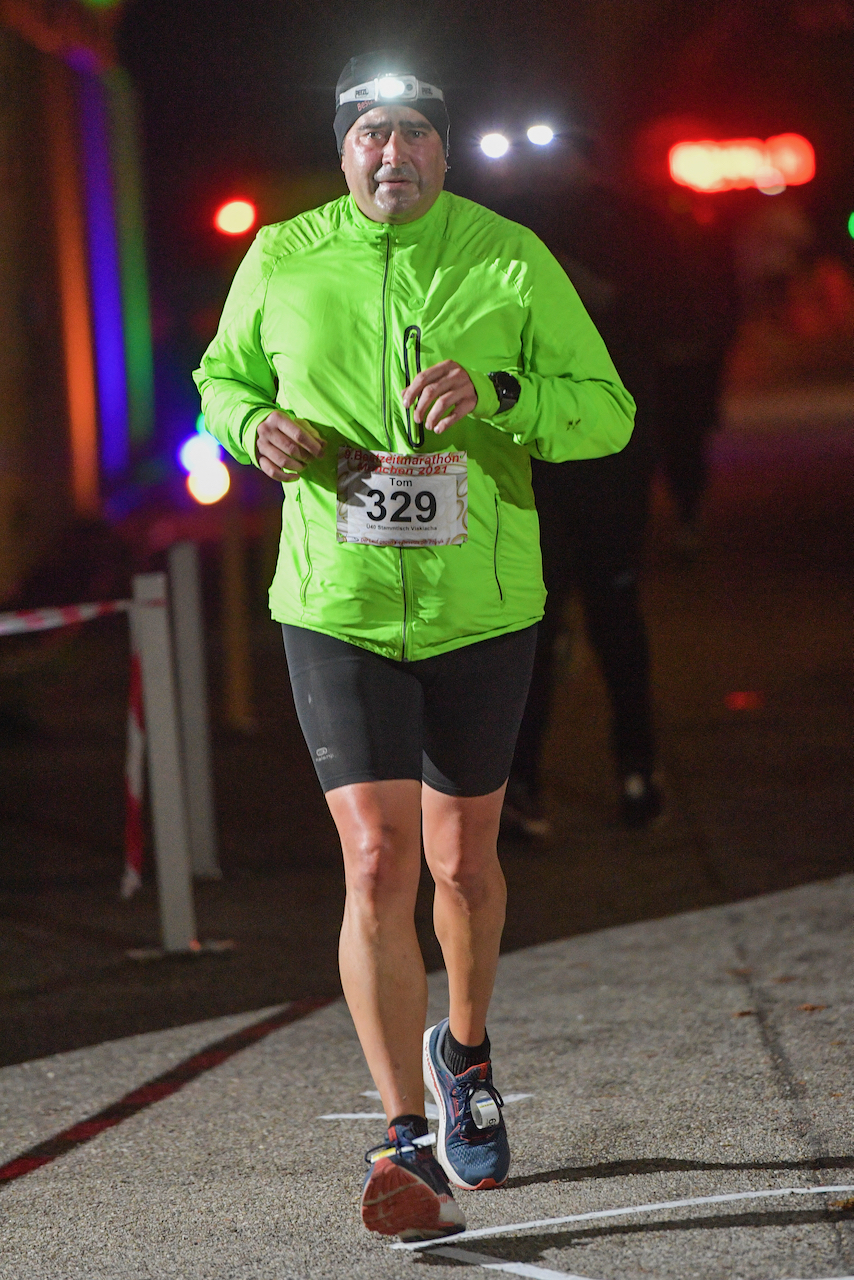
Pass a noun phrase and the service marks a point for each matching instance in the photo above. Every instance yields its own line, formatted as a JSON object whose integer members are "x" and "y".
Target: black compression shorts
{"x": 450, "y": 721}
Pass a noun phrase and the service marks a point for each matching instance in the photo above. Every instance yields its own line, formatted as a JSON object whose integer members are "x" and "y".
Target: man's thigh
{"x": 361, "y": 714}
{"x": 474, "y": 699}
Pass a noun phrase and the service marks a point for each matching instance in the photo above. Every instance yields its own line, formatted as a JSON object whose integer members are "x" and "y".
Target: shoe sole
{"x": 397, "y": 1203}
{"x": 486, "y": 1184}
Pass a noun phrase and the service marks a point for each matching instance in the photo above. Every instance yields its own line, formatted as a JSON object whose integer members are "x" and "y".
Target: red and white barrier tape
{"x": 134, "y": 781}
{"x": 24, "y": 620}
{"x": 63, "y": 616}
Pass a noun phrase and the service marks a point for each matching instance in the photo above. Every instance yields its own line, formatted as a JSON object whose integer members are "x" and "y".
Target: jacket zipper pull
{"x": 412, "y": 330}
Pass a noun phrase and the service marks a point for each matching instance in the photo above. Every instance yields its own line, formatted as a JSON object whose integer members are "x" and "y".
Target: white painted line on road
{"x": 507, "y": 1098}
{"x": 628, "y": 1210}
{"x": 511, "y": 1268}
{"x": 430, "y": 1110}
{"x": 354, "y": 1115}
{"x": 526, "y": 1268}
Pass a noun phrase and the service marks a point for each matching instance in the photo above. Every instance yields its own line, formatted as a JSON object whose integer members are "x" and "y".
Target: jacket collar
{"x": 402, "y": 232}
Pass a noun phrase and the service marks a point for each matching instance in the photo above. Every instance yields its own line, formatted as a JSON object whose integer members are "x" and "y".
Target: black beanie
{"x": 422, "y": 91}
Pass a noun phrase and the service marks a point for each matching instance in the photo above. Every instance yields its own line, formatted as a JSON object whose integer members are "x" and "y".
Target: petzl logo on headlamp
{"x": 391, "y": 88}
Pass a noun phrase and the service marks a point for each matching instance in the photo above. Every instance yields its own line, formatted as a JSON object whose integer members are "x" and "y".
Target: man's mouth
{"x": 393, "y": 180}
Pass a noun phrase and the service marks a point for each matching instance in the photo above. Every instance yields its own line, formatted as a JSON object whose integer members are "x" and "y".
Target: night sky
{"x": 237, "y": 98}
{"x": 235, "y": 90}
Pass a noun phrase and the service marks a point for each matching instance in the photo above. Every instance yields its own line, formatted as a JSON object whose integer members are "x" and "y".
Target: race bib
{"x": 402, "y": 500}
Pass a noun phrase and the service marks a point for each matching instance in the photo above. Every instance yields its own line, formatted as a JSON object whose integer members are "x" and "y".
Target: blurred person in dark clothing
{"x": 695, "y": 327}
{"x": 593, "y": 515}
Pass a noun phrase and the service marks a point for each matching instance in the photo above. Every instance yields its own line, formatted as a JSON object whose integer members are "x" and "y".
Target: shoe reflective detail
{"x": 522, "y": 814}
{"x": 642, "y": 803}
{"x": 473, "y": 1158}
{"x": 406, "y": 1192}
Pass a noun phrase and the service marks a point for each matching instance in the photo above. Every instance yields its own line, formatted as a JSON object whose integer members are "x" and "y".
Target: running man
{"x": 393, "y": 359}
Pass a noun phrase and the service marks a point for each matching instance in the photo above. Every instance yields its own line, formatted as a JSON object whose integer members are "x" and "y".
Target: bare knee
{"x": 474, "y": 878}
{"x": 378, "y": 868}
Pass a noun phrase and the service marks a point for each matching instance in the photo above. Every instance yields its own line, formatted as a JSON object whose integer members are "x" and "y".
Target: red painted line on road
{"x": 153, "y": 1091}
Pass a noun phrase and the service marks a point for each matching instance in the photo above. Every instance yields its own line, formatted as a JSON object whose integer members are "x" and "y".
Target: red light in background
{"x": 793, "y": 156}
{"x": 235, "y": 217}
{"x": 747, "y": 700}
{"x": 786, "y": 160}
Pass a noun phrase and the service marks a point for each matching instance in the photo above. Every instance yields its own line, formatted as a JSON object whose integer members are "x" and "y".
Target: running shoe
{"x": 472, "y": 1144}
{"x": 522, "y": 813}
{"x": 642, "y": 802}
{"x": 406, "y": 1192}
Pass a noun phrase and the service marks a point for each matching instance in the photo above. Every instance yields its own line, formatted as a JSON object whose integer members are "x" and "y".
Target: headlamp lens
{"x": 391, "y": 87}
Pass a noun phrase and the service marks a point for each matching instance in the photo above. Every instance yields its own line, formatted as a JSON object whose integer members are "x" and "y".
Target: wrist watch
{"x": 507, "y": 389}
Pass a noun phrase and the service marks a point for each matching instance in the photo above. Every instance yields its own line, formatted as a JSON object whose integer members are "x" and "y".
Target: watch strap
{"x": 507, "y": 388}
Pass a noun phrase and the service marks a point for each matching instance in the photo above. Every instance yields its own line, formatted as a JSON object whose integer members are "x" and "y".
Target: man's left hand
{"x": 441, "y": 395}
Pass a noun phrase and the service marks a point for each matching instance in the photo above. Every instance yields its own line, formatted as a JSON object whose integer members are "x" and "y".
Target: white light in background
{"x": 199, "y": 451}
{"x": 209, "y": 483}
{"x": 208, "y": 479}
{"x": 540, "y": 134}
{"x": 494, "y": 145}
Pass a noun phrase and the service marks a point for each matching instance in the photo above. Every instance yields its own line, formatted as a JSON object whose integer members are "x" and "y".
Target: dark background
{"x": 238, "y": 99}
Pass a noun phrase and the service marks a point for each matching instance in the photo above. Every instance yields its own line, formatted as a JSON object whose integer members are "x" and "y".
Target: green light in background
{"x": 200, "y": 422}
{"x": 127, "y": 184}
{"x": 102, "y": 4}
{"x": 851, "y": 225}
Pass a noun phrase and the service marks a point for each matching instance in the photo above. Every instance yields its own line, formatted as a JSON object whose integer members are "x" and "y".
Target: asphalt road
{"x": 669, "y": 1056}
{"x": 759, "y": 798}
{"x": 706, "y": 1055}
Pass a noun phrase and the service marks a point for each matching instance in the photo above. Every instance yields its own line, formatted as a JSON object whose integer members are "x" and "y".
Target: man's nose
{"x": 394, "y": 150}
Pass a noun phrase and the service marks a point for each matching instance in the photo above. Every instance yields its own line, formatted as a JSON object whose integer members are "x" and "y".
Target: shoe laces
{"x": 398, "y": 1146}
{"x": 464, "y": 1089}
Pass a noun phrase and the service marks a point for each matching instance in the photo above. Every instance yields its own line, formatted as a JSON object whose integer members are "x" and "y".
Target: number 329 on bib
{"x": 402, "y": 500}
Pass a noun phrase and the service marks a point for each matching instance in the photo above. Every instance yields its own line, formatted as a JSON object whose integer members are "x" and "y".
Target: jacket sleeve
{"x": 236, "y": 381}
{"x": 572, "y": 403}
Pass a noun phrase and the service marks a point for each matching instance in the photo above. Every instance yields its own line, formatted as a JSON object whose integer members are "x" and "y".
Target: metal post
{"x": 235, "y": 620}
{"x": 150, "y": 619}
{"x": 190, "y": 668}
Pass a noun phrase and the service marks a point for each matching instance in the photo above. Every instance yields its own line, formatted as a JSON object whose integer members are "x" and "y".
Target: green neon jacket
{"x": 314, "y": 325}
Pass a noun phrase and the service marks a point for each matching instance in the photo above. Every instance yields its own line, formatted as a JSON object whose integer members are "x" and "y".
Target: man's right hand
{"x": 283, "y": 446}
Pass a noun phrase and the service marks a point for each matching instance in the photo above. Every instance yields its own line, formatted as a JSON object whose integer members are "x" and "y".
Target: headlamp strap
{"x": 391, "y": 88}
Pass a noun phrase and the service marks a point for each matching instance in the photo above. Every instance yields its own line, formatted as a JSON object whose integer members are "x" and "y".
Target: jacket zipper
{"x": 386, "y": 273}
{"x": 495, "y": 549}
{"x": 304, "y": 584}
{"x": 385, "y": 340}
{"x": 405, "y": 609}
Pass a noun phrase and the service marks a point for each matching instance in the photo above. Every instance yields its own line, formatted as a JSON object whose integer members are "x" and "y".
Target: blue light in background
{"x": 198, "y": 452}
{"x": 104, "y": 277}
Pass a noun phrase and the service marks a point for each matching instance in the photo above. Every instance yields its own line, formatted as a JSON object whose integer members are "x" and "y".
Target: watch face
{"x": 507, "y": 387}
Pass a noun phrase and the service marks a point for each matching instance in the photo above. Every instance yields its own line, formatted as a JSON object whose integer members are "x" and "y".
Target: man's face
{"x": 394, "y": 164}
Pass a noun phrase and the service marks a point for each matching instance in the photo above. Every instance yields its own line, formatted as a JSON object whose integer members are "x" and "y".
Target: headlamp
{"x": 391, "y": 88}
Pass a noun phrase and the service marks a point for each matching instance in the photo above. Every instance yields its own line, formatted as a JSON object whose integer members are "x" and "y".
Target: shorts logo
{"x": 322, "y": 752}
